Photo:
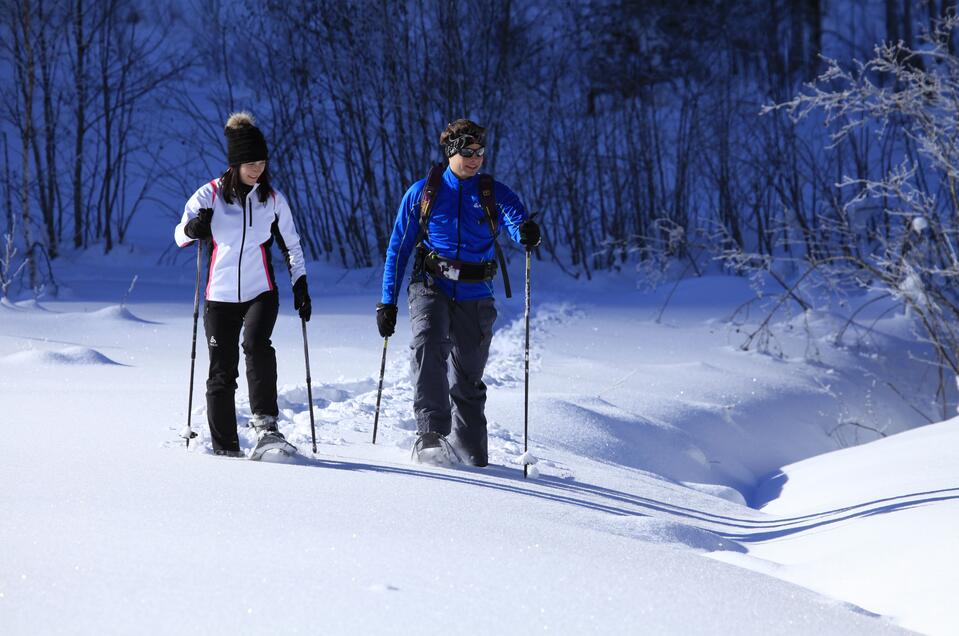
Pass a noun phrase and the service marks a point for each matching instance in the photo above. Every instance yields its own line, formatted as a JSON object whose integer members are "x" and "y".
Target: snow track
{"x": 344, "y": 411}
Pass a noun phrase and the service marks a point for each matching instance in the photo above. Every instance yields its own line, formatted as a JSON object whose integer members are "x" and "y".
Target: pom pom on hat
{"x": 244, "y": 141}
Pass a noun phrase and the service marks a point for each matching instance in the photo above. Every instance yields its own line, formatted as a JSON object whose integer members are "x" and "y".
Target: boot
{"x": 264, "y": 425}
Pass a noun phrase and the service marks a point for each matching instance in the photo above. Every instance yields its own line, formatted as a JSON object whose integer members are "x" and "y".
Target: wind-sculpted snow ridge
{"x": 674, "y": 533}
{"x": 118, "y": 312}
{"x": 23, "y": 305}
{"x": 873, "y": 524}
{"x": 66, "y": 356}
{"x": 595, "y": 428}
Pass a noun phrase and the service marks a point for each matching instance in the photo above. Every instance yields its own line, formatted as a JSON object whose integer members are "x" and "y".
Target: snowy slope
{"x": 876, "y": 525}
{"x": 651, "y": 436}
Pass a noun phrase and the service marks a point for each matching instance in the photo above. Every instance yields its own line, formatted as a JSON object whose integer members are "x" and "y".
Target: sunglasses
{"x": 469, "y": 152}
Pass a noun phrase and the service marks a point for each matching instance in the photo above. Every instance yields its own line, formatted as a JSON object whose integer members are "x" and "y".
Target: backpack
{"x": 487, "y": 201}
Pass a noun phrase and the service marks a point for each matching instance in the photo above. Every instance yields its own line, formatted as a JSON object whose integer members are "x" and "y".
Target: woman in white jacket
{"x": 242, "y": 214}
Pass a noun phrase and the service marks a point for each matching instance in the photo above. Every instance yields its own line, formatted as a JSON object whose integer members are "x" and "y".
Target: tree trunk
{"x": 47, "y": 171}
{"x": 892, "y": 21}
{"x": 7, "y": 186}
{"x": 105, "y": 93}
{"x": 814, "y": 16}
{"x": 80, "y": 84}
{"x": 27, "y": 84}
{"x": 797, "y": 40}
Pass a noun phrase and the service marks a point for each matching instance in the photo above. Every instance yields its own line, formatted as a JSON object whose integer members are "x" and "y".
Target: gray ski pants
{"x": 461, "y": 330}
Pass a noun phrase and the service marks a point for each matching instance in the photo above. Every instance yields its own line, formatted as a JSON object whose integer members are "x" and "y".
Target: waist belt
{"x": 458, "y": 270}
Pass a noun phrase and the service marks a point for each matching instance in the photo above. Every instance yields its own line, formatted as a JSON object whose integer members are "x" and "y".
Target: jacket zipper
{"x": 459, "y": 228}
{"x": 239, "y": 266}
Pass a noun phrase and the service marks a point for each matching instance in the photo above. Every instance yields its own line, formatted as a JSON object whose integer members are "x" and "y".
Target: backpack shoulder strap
{"x": 432, "y": 186}
{"x": 488, "y": 201}
{"x": 216, "y": 188}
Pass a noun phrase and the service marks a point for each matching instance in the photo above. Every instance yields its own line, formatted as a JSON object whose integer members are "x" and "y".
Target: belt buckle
{"x": 450, "y": 272}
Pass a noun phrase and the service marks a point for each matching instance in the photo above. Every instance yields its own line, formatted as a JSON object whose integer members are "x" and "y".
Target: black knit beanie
{"x": 244, "y": 141}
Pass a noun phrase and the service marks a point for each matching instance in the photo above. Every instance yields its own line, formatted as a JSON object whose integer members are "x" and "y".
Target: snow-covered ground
{"x": 684, "y": 487}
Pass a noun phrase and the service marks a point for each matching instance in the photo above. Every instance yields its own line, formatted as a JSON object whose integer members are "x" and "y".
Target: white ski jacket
{"x": 240, "y": 267}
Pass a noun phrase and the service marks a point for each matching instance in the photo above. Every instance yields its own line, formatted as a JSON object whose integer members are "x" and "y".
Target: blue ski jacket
{"x": 458, "y": 229}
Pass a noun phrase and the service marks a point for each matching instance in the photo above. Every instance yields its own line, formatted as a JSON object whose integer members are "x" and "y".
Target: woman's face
{"x": 250, "y": 172}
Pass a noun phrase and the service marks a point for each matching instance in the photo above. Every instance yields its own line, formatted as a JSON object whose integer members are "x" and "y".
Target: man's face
{"x": 466, "y": 167}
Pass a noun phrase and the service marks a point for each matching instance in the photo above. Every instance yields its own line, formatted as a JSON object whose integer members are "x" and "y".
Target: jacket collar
{"x": 454, "y": 182}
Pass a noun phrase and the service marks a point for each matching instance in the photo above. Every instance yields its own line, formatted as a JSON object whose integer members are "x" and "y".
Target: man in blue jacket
{"x": 451, "y": 226}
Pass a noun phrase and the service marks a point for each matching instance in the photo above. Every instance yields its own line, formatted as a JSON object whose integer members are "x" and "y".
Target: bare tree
{"x": 22, "y": 27}
{"x": 913, "y": 95}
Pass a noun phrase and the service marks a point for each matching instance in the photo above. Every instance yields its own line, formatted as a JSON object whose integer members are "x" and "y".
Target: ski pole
{"x": 309, "y": 385}
{"x": 379, "y": 391}
{"x": 189, "y": 434}
{"x": 526, "y": 374}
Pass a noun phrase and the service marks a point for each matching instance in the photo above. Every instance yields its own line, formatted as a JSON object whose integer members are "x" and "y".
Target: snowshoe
{"x": 433, "y": 448}
{"x": 270, "y": 441}
{"x": 268, "y": 437}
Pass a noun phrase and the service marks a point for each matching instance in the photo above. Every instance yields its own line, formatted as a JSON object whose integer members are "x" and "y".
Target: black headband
{"x": 455, "y": 144}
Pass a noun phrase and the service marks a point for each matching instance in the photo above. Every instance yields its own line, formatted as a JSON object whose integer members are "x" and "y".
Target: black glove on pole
{"x": 530, "y": 234}
{"x": 188, "y": 434}
{"x": 386, "y": 319}
{"x": 200, "y": 227}
{"x": 309, "y": 381}
{"x": 301, "y": 299}
{"x": 379, "y": 391}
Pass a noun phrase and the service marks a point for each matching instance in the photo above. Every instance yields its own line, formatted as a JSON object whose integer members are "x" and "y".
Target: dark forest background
{"x": 632, "y": 129}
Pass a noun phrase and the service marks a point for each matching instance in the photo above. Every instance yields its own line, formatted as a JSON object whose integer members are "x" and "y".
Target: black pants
{"x": 451, "y": 398}
{"x": 223, "y": 322}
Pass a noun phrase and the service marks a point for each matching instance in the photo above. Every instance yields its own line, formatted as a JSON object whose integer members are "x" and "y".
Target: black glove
{"x": 301, "y": 299}
{"x": 199, "y": 227}
{"x": 529, "y": 235}
{"x": 386, "y": 319}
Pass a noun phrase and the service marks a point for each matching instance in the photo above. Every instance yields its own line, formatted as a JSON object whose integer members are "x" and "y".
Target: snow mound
{"x": 716, "y": 490}
{"x": 595, "y": 428}
{"x": 323, "y": 394}
{"x": 67, "y": 356}
{"x": 23, "y": 305}
{"x": 118, "y": 312}
{"x": 679, "y": 534}
{"x": 889, "y": 473}
{"x": 874, "y": 525}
